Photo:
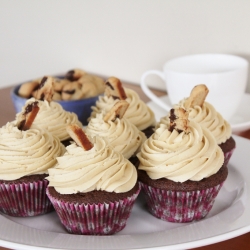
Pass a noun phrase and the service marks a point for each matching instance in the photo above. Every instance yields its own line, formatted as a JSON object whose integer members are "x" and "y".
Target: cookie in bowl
{"x": 76, "y": 91}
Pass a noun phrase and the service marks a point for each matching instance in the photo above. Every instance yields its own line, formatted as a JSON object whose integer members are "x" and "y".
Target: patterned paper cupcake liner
{"x": 227, "y": 156}
{"x": 25, "y": 199}
{"x": 179, "y": 206}
{"x": 94, "y": 219}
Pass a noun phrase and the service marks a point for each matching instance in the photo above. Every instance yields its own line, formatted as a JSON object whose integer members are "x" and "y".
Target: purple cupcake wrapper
{"x": 25, "y": 199}
{"x": 227, "y": 156}
{"x": 94, "y": 219}
{"x": 179, "y": 206}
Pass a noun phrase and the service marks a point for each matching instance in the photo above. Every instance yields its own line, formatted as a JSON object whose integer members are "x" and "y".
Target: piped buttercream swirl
{"x": 208, "y": 117}
{"x": 138, "y": 112}
{"x": 53, "y": 118}
{"x": 28, "y": 152}
{"x": 100, "y": 168}
{"x": 121, "y": 134}
{"x": 181, "y": 156}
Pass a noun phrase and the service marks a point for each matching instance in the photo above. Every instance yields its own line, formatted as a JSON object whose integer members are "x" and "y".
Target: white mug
{"x": 224, "y": 75}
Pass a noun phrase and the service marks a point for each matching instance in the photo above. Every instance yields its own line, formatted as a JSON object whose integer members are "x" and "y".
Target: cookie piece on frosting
{"x": 77, "y": 134}
{"x": 117, "y": 111}
{"x": 27, "y": 116}
{"x": 115, "y": 89}
{"x": 197, "y": 96}
{"x": 179, "y": 120}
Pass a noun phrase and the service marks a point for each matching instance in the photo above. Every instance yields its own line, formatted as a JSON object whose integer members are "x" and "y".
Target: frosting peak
{"x": 122, "y": 135}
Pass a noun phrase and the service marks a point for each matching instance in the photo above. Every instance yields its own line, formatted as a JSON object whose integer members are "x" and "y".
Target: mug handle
{"x": 149, "y": 93}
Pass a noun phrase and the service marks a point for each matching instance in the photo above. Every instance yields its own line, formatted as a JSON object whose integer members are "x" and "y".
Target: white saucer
{"x": 239, "y": 122}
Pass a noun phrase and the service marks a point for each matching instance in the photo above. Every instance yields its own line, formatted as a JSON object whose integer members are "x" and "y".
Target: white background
{"x": 121, "y": 38}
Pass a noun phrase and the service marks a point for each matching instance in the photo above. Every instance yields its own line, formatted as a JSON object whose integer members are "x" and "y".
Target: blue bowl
{"x": 82, "y": 108}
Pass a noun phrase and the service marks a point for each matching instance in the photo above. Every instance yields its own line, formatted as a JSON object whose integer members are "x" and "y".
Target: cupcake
{"x": 118, "y": 131}
{"x": 138, "y": 112}
{"x": 26, "y": 155}
{"x": 92, "y": 188}
{"x": 181, "y": 169}
{"x": 205, "y": 114}
{"x": 52, "y": 117}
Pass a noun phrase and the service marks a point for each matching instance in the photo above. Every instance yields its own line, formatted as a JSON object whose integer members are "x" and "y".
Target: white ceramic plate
{"x": 230, "y": 217}
{"x": 239, "y": 122}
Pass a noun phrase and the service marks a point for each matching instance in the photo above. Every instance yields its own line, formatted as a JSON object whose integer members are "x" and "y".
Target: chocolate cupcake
{"x": 93, "y": 188}
{"x": 138, "y": 112}
{"x": 26, "y": 154}
{"x": 181, "y": 169}
{"x": 205, "y": 114}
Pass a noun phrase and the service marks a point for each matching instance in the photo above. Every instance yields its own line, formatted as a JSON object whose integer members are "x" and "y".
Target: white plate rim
{"x": 239, "y": 227}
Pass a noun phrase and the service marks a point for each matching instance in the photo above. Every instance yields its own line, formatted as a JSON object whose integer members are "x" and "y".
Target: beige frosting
{"x": 208, "y": 117}
{"x": 100, "y": 168}
{"x": 138, "y": 112}
{"x": 121, "y": 134}
{"x": 28, "y": 152}
{"x": 53, "y": 118}
{"x": 181, "y": 157}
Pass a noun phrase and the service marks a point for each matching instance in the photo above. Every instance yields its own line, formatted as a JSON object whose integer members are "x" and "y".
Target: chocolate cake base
{"x": 166, "y": 184}
{"x": 26, "y": 179}
{"x": 66, "y": 142}
{"x": 149, "y": 131}
{"x": 135, "y": 161}
{"x": 93, "y": 197}
{"x": 228, "y": 145}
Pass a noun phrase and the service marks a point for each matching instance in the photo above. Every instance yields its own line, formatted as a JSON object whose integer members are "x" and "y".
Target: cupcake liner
{"x": 25, "y": 199}
{"x": 227, "y": 156}
{"x": 179, "y": 206}
{"x": 94, "y": 219}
